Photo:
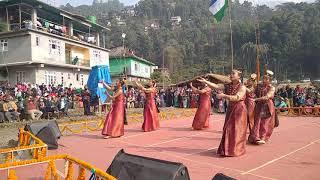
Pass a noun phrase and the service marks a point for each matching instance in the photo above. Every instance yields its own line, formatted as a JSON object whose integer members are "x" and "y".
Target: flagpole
{"x": 231, "y": 33}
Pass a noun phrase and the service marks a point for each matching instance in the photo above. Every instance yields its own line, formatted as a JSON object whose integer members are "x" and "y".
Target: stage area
{"x": 292, "y": 153}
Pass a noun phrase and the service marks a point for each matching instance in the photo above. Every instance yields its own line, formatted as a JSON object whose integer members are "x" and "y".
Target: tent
{"x": 97, "y": 74}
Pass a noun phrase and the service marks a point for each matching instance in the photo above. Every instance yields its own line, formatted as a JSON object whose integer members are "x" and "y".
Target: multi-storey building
{"x": 44, "y": 44}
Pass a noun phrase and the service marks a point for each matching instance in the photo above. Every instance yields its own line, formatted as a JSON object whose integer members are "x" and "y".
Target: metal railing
{"x": 28, "y": 145}
{"x": 78, "y": 61}
{"x": 53, "y": 173}
{"x": 299, "y": 111}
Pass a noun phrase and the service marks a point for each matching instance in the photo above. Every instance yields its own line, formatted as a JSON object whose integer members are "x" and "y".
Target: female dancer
{"x": 201, "y": 119}
{"x": 150, "y": 112}
{"x": 114, "y": 123}
{"x": 250, "y": 95}
{"x": 264, "y": 113}
{"x": 234, "y": 131}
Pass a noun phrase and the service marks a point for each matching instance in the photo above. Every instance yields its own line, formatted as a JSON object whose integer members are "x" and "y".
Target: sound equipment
{"x": 48, "y": 132}
{"x": 35, "y": 128}
{"x": 47, "y": 135}
{"x": 221, "y": 176}
{"x": 132, "y": 167}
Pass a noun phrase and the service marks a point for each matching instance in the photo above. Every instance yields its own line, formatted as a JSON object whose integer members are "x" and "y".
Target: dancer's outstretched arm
{"x": 146, "y": 90}
{"x": 118, "y": 93}
{"x": 237, "y": 97}
{"x": 106, "y": 85}
{"x": 204, "y": 90}
{"x": 269, "y": 95}
{"x": 211, "y": 85}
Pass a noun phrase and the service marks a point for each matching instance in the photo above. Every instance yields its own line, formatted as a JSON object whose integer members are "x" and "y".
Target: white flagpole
{"x": 231, "y": 33}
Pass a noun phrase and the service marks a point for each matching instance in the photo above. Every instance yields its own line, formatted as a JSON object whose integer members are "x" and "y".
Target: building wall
{"x": 140, "y": 69}
{"x": 38, "y": 75}
{"x": 135, "y": 67}
{"x": 29, "y": 73}
{"x": 41, "y": 51}
{"x": 64, "y": 76}
{"x": 117, "y": 66}
{"x": 19, "y": 50}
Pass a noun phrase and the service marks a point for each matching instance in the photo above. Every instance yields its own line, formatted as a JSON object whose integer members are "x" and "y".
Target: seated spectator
{"x": 31, "y": 108}
{"x": 42, "y": 106}
{"x": 10, "y": 109}
{"x": 2, "y": 118}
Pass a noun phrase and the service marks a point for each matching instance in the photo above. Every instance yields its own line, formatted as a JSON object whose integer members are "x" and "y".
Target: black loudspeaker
{"x": 47, "y": 135}
{"x": 221, "y": 176}
{"x": 131, "y": 167}
{"x": 35, "y": 128}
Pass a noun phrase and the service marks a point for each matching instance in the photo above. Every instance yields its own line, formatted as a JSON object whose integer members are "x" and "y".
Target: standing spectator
{"x": 86, "y": 101}
{"x": 2, "y": 118}
{"x": 289, "y": 91}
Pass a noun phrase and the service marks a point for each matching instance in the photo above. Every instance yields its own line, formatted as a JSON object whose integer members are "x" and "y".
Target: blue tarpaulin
{"x": 97, "y": 74}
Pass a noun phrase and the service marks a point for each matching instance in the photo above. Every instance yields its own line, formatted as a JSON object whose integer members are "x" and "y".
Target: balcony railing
{"x": 61, "y": 31}
{"x": 78, "y": 61}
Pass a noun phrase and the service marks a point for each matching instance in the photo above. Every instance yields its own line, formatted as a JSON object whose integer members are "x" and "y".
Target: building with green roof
{"x": 124, "y": 63}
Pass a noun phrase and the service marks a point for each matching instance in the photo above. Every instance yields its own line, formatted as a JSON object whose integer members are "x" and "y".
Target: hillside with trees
{"x": 289, "y": 36}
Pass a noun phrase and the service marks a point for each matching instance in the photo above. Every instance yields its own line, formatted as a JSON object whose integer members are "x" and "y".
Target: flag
{"x": 217, "y": 8}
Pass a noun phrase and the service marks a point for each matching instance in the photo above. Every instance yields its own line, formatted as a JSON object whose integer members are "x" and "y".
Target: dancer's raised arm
{"x": 269, "y": 95}
{"x": 211, "y": 85}
{"x": 106, "y": 85}
{"x": 118, "y": 93}
{"x": 240, "y": 94}
{"x": 146, "y": 90}
{"x": 198, "y": 91}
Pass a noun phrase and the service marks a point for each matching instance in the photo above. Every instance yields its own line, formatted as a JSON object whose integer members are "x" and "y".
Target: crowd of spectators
{"x": 297, "y": 97}
{"x": 177, "y": 97}
{"x": 32, "y": 102}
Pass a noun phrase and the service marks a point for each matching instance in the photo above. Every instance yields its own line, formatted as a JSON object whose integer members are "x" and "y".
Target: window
{"x": 21, "y": 76}
{"x": 136, "y": 67}
{"x": 3, "y": 45}
{"x": 62, "y": 80}
{"x": 96, "y": 56}
{"x": 147, "y": 70}
{"x": 50, "y": 78}
{"x": 54, "y": 47}
{"x": 77, "y": 77}
{"x": 81, "y": 77}
{"x": 37, "y": 40}
{"x": 69, "y": 77}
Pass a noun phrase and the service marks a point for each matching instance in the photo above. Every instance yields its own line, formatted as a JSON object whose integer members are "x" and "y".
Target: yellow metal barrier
{"x": 52, "y": 171}
{"x": 97, "y": 124}
{"x": 27, "y": 143}
{"x": 299, "y": 111}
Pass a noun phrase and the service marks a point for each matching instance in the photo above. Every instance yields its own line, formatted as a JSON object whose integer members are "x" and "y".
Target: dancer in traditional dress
{"x": 114, "y": 123}
{"x": 264, "y": 113}
{"x": 250, "y": 95}
{"x": 221, "y": 102}
{"x": 150, "y": 112}
{"x": 234, "y": 131}
{"x": 201, "y": 119}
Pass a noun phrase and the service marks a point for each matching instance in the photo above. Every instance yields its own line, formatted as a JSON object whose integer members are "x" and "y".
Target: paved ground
{"x": 292, "y": 153}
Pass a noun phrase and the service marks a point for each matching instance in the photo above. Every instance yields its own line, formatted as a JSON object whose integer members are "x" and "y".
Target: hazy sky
{"x": 131, "y": 2}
